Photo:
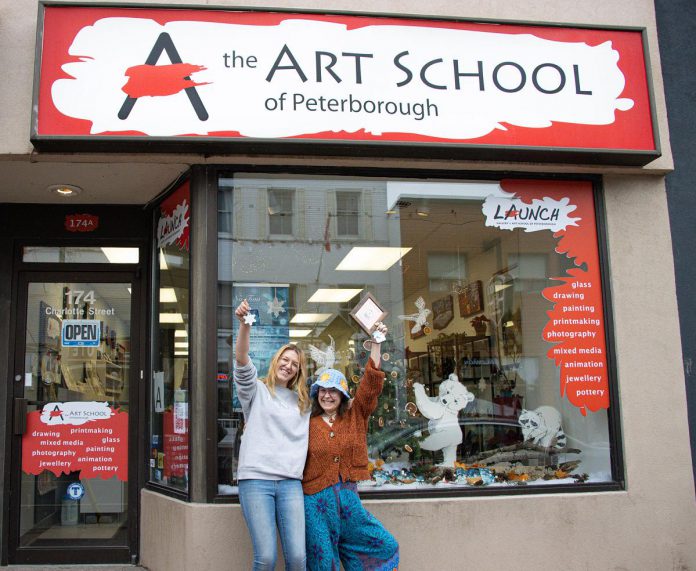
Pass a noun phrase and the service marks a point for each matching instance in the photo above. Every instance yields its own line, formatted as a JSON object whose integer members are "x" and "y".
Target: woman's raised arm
{"x": 241, "y": 346}
{"x": 376, "y": 348}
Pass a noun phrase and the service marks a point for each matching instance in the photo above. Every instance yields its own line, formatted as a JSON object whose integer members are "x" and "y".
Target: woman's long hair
{"x": 299, "y": 381}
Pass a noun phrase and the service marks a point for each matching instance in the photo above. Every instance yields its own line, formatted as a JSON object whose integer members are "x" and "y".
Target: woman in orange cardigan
{"x": 338, "y": 528}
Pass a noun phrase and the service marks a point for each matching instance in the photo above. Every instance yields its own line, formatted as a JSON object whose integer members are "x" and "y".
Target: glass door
{"x": 73, "y": 384}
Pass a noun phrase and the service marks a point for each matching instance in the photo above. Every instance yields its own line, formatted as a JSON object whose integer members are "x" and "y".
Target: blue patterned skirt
{"x": 341, "y": 530}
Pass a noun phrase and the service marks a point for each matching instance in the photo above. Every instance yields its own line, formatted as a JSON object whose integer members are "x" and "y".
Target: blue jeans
{"x": 266, "y": 503}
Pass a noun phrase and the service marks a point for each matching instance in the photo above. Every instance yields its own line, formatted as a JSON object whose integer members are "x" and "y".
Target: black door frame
{"x": 23, "y": 275}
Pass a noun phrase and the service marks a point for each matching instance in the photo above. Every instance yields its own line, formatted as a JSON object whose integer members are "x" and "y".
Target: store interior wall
{"x": 675, "y": 19}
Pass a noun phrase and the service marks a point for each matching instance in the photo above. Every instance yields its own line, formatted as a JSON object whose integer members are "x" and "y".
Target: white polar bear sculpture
{"x": 442, "y": 412}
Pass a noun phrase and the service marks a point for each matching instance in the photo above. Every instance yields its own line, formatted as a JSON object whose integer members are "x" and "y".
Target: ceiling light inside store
{"x": 121, "y": 255}
{"x": 167, "y": 295}
{"x": 64, "y": 190}
{"x": 371, "y": 259}
{"x": 299, "y": 332}
{"x": 310, "y": 317}
{"x": 167, "y": 260}
{"x": 163, "y": 261}
{"x": 180, "y": 333}
{"x": 181, "y": 353}
{"x": 334, "y": 295}
{"x": 171, "y": 318}
{"x": 501, "y": 287}
{"x": 181, "y": 345}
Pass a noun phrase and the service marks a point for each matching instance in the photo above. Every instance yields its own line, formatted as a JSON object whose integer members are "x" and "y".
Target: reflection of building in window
{"x": 225, "y": 208}
{"x": 477, "y": 288}
{"x": 445, "y": 270}
{"x": 347, "y": 213}
{"x": 529, "y": 271}
{"x": 280, "y": 211}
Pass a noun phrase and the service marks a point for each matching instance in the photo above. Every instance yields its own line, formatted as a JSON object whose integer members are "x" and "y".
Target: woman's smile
{"x": 329, "y": 400}
{"x": 287, "y": 367}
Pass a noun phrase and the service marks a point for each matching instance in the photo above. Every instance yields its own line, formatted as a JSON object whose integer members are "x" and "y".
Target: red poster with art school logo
{"x": 173, "y": 226}
{"x": 575, "y": 324}
{"x": 176, "y": 444}
{"x": 65, "y": 437}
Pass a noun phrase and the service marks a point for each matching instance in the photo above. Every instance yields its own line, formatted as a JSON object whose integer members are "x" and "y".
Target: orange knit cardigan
{"x": 340, "y": 451}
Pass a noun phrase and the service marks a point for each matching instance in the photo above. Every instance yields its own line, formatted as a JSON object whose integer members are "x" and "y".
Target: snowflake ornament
{"x": 275, "y": 307}
{"x": 378, "y": 336}
{"x": 249, "y": 319}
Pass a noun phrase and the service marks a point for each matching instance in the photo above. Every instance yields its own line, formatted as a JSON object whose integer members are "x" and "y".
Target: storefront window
{"x": 496, "y": 370}
{"x": 169, "y": 417}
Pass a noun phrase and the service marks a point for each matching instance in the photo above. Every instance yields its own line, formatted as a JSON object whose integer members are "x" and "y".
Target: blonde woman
{"x": 273, "y": 449}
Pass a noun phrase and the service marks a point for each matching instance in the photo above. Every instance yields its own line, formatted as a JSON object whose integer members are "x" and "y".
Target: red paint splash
{"x": 181, "y": 195}
{"x": 158, "y": 80}
{"x": 576, "y": 322}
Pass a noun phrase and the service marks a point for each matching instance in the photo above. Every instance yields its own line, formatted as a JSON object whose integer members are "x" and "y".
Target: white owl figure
{"x": 543, "y": 427}
{"x": 323, "y": 359}
{"x": 420, "y": 319}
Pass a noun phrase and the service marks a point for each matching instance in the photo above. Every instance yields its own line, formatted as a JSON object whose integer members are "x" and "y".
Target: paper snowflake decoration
{"x": 275, "y": 307}
{"x": 249, "y": 319}
{"x": 378, "y": 336}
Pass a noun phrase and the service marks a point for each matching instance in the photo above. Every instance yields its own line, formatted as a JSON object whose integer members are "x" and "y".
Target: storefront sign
{"x": 65, "y": 437}
{"x": 81, "y": 222}
{"x": 173, "y": 226}
{"x": 204, "y": 77}
{"x": 576, "y": 322}
{"x": 545, "y": 214}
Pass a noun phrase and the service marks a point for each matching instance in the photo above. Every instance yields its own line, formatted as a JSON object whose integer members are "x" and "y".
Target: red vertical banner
{"x": 173, "y": 226}
{"x": 176, "y": 445}
{"x": 576, "y": 322}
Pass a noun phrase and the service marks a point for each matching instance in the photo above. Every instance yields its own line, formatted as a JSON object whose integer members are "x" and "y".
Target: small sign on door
{"x": 80, "y": 333}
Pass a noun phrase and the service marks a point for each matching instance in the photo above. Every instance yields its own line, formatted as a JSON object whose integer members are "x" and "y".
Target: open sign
{"x": 81, "y": 333}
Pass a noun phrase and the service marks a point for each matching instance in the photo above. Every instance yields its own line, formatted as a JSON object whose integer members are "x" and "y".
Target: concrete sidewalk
{"x": 74, "y": 567}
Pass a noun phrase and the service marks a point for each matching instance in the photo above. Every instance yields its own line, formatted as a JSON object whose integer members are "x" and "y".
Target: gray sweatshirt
{"x": 274, "y": 443}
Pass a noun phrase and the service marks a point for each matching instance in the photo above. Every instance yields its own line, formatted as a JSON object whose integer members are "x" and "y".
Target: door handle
{"x": 20, "y": 416}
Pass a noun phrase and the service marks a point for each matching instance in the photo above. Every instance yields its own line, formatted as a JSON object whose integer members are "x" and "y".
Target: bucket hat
{"x": 330, "y": 379}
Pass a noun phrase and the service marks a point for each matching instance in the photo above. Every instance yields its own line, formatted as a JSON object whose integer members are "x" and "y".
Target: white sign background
{"x": 545, "y": 214}
{"x": 75, "y": 412}
{"x": 237, "y": 99}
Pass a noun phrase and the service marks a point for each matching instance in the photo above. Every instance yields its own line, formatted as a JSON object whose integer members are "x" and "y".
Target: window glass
{"x": 347, "y": 213}
{"x": 280, "y": 211}
{"x": 495, "y": 359}
{"x": 79, "y": 255}
{"x": 169, "y": 398}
